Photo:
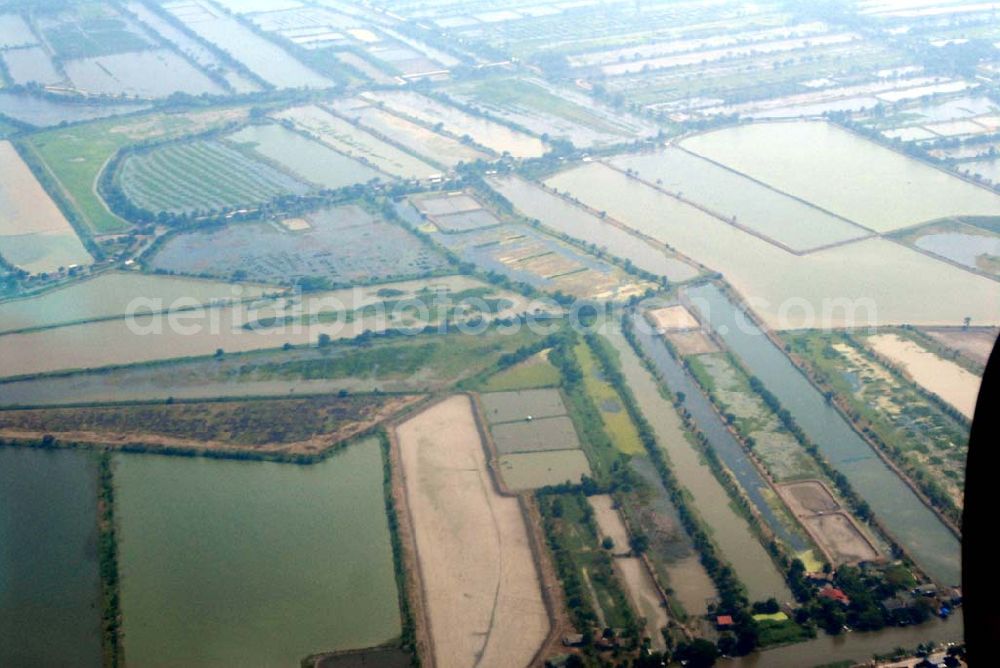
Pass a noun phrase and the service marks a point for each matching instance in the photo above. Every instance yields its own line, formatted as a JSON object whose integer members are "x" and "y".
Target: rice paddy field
{"x": 31, "y": 64}
{"x": 562, "y": 114}
{"x": 532, "y": 470}
{"x": 34, "y": 234}
{"x": 480, "y": 583}
{"x": 352, "y": 141}
{"x": 524, "y": 254}
{"x": 309, "y": 160}
{"x": 345, "y": 245}
{"x": 865, "y": 183}
{"x": 435, "y": 148}
{"x": 955, "y": 385}
{"x": 868, "y": 281}
{"x": 236, "y": 328}
{"x": 791, "y": 223}
{"x": 617, "y": 422}
{"x": 201, "y": 176}
{"x": 576, "y": 222}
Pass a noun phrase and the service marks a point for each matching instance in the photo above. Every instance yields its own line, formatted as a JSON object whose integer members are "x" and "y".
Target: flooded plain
{"x": 857, "y": 179}
{"x": 872, "y": 281}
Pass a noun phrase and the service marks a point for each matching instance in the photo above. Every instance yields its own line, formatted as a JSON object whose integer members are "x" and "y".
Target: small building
{"x": 573, "y": 640}
{"x": 724, "y": 622}
{"x": 926, "y": 590}
{"x": 835, "y": 594}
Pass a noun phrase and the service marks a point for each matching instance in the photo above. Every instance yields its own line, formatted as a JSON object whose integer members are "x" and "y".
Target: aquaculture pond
{"x": 50, "y": 591}
{"x": 252, "y": 563}
{"x": 915, "y": 526}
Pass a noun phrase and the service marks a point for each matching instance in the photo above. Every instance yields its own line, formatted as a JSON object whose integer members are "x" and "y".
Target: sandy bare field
{"x": 609, "y": 522}
{"x": 692, "y": 342}
{"x": 830, "y": 527}
{"x": 482, "y": 589}
{"x": 841, "y": 538}
{"x": 808, "y": 496}
{"x": 642, "y": 591}
{"x": 671, "y": 318}
{"x": 946, "y": 379}
{"x": 975, "y": 343}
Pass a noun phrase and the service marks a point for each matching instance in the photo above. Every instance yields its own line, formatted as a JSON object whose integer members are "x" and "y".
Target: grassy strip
{"x": 572, "y": 536}
{"x": 408, "y": 635}
{"x": 108, "y": 559}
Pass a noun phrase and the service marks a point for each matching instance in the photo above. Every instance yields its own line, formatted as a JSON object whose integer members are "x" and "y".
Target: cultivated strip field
{"x": 576, "y": 222}
{"x": 482, "y": 588}
{"x": 496, "y": 137}
{"x": 355, "y": 142}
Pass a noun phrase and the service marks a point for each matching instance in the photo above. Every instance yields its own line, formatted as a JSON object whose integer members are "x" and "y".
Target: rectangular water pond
{"x": 50, "y": 590}
{"x": 253, "y": 563}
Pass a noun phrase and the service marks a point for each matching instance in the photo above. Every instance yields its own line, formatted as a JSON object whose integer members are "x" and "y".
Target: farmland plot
{"x": 148, "y": 74}
{"x": 96, "y": 31}
{"x": 147, "y": 338}
{"x": 190, "y": 47}
{"x": 312, "y": 161}
{"x": 857, "y": 179}
{"x": 34, "y": 234}
{"x": 415, "y": 138}
{"x": 350, "y": 140}
{"x": 532, "y": 470}
{"x": 14, "y": 32}
{"x": 955, "y": 385}
{"x": 202, "y": 175}
{"x": 110, "y": 295}
{"x": 482, "y": 590}
{"x": 345, "y": 245}
{"x": 496, "y": 137}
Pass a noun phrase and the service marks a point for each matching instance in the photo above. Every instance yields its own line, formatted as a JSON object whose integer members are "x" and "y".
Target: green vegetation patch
{"x": 534, "y": 372}
{"x": 920, "y": 435}
{"x": 594, "y": 595}
{"x": 616, "y": 419}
